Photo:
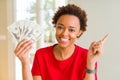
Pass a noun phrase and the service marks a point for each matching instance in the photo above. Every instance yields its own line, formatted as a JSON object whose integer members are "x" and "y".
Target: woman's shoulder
{"x": 81, "y": 48}
{"x": 81, "y": 52}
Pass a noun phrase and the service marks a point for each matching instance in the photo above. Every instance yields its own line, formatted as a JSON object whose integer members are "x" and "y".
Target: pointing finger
{"x": 104, "y": 38}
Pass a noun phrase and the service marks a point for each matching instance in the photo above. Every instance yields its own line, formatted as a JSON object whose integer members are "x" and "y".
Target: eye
{"x": 71, "y": 30}
{"x": 60, "y": 27}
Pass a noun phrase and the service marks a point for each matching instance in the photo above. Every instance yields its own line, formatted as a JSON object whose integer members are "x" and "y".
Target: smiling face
{"x": 67, "y": 30}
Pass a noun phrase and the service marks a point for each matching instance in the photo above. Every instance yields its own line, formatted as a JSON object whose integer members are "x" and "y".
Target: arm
{"x": 21, "y": 51}
{"x": 94, "y": 53}
{"x": 37, "y": 78}
{"x": 90, "y": 76}
{"x": 26, "y": 72}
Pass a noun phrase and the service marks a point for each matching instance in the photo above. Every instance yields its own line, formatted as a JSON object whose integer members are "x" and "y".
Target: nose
{"x": 65, "y": 32}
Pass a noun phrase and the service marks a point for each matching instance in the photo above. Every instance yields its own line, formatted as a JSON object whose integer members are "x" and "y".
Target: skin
{"x": 67, "y": 31}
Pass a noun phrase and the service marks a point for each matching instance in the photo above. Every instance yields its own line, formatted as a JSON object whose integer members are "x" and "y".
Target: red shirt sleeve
{"x": 36, "y": 68}
{"x": 96, "y": 66}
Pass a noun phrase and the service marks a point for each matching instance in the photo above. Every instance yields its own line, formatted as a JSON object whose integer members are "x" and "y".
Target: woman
{"x": 64, "y": 60}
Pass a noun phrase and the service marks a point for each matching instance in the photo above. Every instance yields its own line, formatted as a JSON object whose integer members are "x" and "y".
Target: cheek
{"x": 57, "y": 33}
{"x": 73, "y": 36}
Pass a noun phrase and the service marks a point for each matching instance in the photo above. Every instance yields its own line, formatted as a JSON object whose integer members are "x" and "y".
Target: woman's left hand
{"x": 94, "y": 52}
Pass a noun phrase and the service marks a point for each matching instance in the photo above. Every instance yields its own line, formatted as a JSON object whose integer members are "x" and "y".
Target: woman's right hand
{"x": 22, "y": 49}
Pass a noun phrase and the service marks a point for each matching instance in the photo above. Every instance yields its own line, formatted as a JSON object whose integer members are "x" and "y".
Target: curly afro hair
{"x": 71, "y": 9}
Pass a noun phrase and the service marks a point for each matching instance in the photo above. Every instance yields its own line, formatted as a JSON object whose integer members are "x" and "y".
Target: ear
{"x": 79, "y": 34}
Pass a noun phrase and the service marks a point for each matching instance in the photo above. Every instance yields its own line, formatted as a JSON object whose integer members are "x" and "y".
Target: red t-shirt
{"x": 49, "y": 68}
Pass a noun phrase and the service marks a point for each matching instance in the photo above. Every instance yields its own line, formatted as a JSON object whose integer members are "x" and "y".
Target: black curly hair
{"x": 71, "y": 9}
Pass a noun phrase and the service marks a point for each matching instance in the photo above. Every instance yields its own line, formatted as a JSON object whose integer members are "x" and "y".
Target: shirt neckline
{"x": 62, "y": 61}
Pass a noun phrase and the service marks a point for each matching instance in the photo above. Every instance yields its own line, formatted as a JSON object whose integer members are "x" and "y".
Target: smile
{"x": 64, "y": 39}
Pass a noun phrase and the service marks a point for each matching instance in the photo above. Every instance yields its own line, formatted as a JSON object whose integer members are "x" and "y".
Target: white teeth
{"x": 64, "y": 39}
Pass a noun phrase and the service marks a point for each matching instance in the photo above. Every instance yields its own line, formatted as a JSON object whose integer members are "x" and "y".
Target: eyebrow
{"x": 69, "y": 26}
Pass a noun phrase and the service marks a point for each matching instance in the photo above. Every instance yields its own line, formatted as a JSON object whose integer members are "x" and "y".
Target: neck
{"x": 63, "y": 53}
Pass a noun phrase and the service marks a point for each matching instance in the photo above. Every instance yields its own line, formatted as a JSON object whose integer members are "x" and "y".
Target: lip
{"x": 64, "y": 40}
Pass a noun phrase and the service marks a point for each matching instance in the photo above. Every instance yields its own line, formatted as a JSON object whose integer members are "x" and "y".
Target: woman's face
{"x": 67, "y": 30}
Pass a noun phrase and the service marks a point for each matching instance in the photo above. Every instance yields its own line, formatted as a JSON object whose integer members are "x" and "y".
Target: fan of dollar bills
{"x": 24, "y": 29}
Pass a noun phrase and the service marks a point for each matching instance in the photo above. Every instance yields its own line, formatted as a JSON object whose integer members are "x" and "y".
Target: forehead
{"x": 69, "y": 20}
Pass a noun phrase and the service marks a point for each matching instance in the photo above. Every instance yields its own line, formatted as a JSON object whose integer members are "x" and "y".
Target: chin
{"x": 64, "y": 45}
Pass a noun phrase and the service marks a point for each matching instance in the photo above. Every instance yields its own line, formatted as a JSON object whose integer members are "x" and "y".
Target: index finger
{"x": 104, "y": 38}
